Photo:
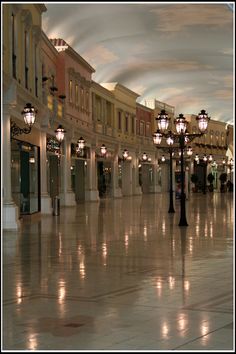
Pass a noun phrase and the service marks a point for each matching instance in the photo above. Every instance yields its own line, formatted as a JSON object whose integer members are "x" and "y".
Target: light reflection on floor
{"x": 121, "y": 275}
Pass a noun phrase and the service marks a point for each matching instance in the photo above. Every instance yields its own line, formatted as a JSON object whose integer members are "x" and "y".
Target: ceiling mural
{"x": 179, "y": 53}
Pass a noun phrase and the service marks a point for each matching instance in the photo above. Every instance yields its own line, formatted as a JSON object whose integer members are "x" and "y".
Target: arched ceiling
{"x": 178, "y": 53}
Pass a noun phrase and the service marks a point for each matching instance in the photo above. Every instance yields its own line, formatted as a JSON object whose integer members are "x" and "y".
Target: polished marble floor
{"x": 122, "y": 275}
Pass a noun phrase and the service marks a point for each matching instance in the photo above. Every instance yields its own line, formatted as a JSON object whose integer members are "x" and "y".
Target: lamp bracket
{"x": 16, "y": 130}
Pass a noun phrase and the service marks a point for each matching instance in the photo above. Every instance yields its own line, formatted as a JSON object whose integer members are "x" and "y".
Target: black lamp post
{"x": 171, "y": 206}
{"x": 182, "y": 137}
{"x": 204, "y": 173}
{"x": 157, "y": 139}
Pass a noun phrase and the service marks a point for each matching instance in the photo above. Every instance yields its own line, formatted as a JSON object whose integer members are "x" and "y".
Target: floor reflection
{"x": 127, "y": 265}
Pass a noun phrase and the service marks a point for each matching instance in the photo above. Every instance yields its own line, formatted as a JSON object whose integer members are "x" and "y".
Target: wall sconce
{"x": 205, "y": 158}
{"x": 103, "y": 149}
{"x": 189, "y": 151}
{"x": 60, "y": 133}
{"x": 80, "y": 144}
{"x": 163, "y": 158}
{"x": 144, "y": 157}
{"x": 125, "y": 154}
{"x": 197, "y": 158}
{"x": 29, "y": 114}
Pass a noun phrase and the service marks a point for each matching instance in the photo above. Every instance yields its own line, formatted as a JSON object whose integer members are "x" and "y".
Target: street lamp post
{"x": 182, "y": 137}
{"x": 157, "y": 139}
{"x": 171, "y": 206}
{"x": 204, "y": 173}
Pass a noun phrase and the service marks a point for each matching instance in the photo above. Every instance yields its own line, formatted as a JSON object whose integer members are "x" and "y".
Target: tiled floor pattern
{"x": 121, "y": 275}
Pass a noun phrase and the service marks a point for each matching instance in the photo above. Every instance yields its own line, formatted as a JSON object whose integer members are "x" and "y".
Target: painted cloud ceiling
{"x": 179, "y": 53}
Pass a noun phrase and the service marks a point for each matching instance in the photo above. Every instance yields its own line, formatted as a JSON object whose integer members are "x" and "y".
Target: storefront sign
{"x": 83, "y": 153}
{"x": 53, "y": 145}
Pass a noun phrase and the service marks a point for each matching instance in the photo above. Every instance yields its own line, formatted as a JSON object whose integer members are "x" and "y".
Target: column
{"x": 126, "y": 178}
{"x": 10, "y": 209}
{"x": 191, "y": 171}
{"x": 157, "y": 174}
{"x": 91, "y": 193}
{"x": 46, "y": 205}
{"x": 137, "y": 190}
{"x": 116, "y": 190}
{"x": 67, "y": 196}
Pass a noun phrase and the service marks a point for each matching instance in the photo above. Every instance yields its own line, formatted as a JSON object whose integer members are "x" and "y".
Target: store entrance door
{"x": 53, "y": 176}
{"x": 25, "y": 176}
{"x": 79, "y": 181}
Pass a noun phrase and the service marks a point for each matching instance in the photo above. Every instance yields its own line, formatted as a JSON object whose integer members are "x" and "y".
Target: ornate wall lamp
{"x": 125, "y": 154}
{"x": 29, "y": 114}
{"x": 144, "y": 157}
{"x": 103, "y": 150}
{"x": 60, "y": 133}
{"x": 80, "y": 144}
{"x": 163, "y": 158}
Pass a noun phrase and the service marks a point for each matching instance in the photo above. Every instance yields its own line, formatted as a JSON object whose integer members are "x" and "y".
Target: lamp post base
{"x": 171, "y": 210}
{"x": 183, "y": 222}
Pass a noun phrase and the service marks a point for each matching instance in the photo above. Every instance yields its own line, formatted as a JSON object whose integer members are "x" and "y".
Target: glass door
{"x": 34, "y": 180}
{"x": 25, "y": 176}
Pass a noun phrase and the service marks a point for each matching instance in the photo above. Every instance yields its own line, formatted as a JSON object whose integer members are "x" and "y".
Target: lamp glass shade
{"x": 81, "y": 143}
{"x": 103, "y": 149}
{"x": 125, "y": 154}
{"x": 60, "y": 133}
{"x": 180, "y": 124}
{"x": 170, "y": 140}
{"x": 163, "y": 120}
{"x": 29, "y": 114}
{"x": 145, "y": 156}
{"x": 189, "y": 151}
{"x": 203, "y": 120}
{"x": 157, "y": 137}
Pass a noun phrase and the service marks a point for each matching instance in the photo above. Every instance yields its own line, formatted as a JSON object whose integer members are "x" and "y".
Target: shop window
{"x": 82, "y": 98}
{"x": 126, "y": 123}
{"x": 87, "y": 101}
{"x": 25, "y": 176}
{"x": 141, "y": 128}
{"x": 36, "y": 70}
{"x": 70, "y": 91}
{"x": 13, "y": 32}
{"x": 119, "y": 120}
{"x": 132, "y": 125}
{"x": 109, "y": 113}
{"x": 26, "y": 43}
{"x": 137, "y": 127}
{"x": 148, "y": 133}
{"x": 76, "y": 95}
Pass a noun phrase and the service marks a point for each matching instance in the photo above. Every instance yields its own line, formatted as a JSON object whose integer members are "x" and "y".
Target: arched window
{"x": 26, "y": 46}
{"x": 13, "y": 41}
